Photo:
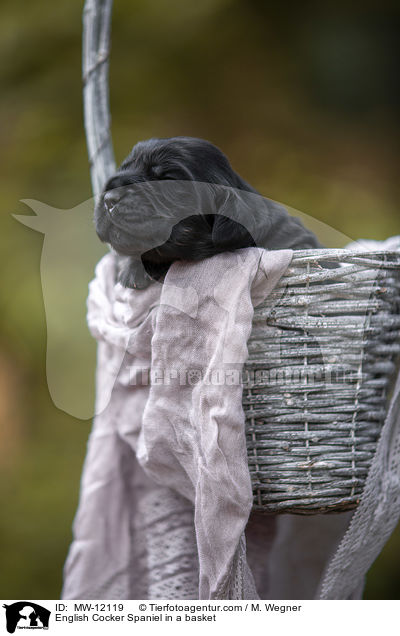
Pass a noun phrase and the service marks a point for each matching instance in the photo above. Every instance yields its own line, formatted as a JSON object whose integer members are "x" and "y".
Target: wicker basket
{"x": 322, "y": 354}
{"x": 322, "y": 350}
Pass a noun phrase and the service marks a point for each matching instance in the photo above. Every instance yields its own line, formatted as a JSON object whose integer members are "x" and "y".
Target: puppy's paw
{"x": 132, "y": 274}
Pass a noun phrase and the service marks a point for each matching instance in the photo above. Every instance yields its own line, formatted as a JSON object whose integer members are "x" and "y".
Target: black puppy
{"x": 179, "y": 199}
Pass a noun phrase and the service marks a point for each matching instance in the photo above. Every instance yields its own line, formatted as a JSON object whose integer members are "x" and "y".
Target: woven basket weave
{"x": 322, "y": 353}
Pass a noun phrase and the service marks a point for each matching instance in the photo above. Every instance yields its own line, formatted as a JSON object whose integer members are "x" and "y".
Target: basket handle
{"x": 97, "y": 118}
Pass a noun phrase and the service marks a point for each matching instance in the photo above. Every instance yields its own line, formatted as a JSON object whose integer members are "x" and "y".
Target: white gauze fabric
{"x": 166, "y": 491}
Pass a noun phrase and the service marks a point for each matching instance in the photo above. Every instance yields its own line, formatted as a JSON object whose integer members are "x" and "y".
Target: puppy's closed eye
{"x": 157, "y": 171}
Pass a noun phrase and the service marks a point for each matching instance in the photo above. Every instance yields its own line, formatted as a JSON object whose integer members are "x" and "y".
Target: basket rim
{"x": 342, "y": 252}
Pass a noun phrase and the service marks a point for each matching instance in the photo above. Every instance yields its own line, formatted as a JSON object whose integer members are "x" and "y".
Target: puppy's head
{"x": 154, "y": 210}
{"x": 179, "y": 199}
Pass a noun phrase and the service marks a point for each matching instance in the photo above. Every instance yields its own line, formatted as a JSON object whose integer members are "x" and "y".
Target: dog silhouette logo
{"x": 70, "y": 252}
{"x": 26, "y": 615}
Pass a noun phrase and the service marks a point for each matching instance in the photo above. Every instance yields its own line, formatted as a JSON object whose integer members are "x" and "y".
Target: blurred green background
{"x": 303, "y": 99}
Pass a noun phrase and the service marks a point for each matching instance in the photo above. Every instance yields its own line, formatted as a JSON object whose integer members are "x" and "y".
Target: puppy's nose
{"x": 110, "y": 200}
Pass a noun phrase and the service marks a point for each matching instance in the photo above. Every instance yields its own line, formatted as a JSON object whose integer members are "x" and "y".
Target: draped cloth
{"x": 165, "y": 502}
{"x": 166, "y": 491}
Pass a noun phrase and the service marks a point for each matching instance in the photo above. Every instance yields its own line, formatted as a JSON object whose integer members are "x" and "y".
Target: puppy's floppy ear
{"x": 233, "y": 223}
{"x": 228, "y": 234}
